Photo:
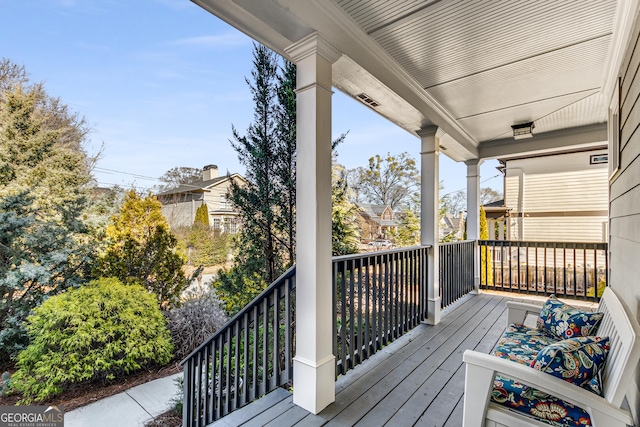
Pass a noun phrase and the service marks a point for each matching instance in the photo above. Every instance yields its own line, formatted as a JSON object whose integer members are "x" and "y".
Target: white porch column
{"x": 314, "y": 362}
{"x": 473, "y": 213}
{"x": 429, "y": 216}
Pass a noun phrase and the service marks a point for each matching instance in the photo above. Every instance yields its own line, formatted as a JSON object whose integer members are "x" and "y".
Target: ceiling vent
{"x": 368, "y": 100}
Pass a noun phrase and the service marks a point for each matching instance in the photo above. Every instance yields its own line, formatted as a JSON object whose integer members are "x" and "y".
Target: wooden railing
{"x": 572, "y": 270}
{"x": 456, "y": 270}
{"x": 378, "y": 297}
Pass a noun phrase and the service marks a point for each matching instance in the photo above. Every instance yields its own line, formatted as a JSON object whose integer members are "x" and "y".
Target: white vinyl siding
{"x": 584, "y": 190}
{"x": 572, "y": 229}
{"x": 557, "y": 198}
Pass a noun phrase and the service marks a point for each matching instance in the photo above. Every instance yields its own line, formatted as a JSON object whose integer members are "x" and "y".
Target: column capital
{"x": 428, "y": 131}
{"x": 313, "y": 44}
{"x": 474, "y": 162}
{"x": 473, "y": 167}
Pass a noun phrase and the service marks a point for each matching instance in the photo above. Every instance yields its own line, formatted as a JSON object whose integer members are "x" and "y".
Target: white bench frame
{"x": 624, "y": 334}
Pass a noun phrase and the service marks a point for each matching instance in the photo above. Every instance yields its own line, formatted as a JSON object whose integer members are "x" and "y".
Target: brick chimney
{"x": 209, "y": 172}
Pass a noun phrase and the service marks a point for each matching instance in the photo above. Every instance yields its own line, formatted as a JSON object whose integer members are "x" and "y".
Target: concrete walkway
{"x": 131, "y": 408}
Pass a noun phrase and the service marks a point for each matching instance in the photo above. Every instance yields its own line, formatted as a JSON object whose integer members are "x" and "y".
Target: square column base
{"x": 314, "y": 386}
{"x": 433, "y": 311}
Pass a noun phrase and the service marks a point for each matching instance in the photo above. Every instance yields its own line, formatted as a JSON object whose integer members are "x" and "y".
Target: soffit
{"x": 471, "y": 67}
{"x": 494, "y": 64}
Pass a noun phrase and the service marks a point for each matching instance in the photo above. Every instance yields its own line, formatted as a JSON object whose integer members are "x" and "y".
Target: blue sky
{"x": 161, "y": 82}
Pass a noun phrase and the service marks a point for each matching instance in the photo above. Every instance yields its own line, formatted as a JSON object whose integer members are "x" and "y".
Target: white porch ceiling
{"x": 471, "y": 67}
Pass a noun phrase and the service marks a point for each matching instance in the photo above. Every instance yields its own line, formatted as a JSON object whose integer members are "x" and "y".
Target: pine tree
{"x": 345, "y": 233}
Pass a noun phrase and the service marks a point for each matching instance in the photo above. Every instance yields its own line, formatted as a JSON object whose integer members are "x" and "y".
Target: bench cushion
{"x": 521, "y": 344}
{"x": 537, "y": 404}
{"x": 564, "y": 321}
{"x": 579, "y": 359}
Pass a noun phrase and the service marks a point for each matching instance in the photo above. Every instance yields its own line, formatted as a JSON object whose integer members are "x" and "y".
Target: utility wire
{"x": 111, "y": 171}
{"x": 462, "y": 189}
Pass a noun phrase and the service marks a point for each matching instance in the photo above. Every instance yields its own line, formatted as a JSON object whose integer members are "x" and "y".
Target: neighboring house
{"x": 376, "y": 221}
{"x": 452, "y": 226}
{"x": 559, "y": 197}
{"x": 179, "y": 205}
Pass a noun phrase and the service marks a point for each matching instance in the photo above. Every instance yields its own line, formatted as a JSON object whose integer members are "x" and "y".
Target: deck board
{"x": 416, "y": 380}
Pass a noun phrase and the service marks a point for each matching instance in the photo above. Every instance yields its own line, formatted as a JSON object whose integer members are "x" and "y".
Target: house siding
{"x": 625, "y": 197}
{"x": 180, "y": 209}
{"x": 557, "y": 198}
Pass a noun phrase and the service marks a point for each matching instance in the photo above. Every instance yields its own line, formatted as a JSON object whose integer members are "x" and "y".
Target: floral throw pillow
{"x": 577, "y": 360}
{"x": 564, "y": 321}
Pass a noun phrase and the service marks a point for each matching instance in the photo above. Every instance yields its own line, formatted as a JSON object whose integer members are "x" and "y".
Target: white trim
{"x": 313, "y": 44}
{"x": 624, "y": 23}
{"x": 366, "y": 50}
{"x": 614, "y": 132}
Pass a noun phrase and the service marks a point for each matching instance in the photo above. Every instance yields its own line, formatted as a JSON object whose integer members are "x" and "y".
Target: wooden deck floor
{"x": 417, "y": 380}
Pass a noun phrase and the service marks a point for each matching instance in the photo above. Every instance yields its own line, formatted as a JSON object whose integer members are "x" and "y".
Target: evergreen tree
{"x": 345, "y": 233}
{"x": 265, "y": 247}
{"x": 44, "y": 177}
{"x": 202, "y": 216}
{"x": 285, "y": 168}
{"x": 256, "y": 202}
{"x": 142, "y": 250}
{"x": 486, "y": 267}
{"x": 408, "y": 231}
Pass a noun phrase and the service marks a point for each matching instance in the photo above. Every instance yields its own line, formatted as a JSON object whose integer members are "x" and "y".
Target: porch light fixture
{"x": 523, "y": 130}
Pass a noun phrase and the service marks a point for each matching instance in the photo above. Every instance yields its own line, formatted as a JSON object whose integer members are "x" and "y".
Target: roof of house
{"x": 374, "y": 212}
{"x": 371, "y": 210}
{"x": 199, "y": 186}
{"x": 496, "y": 204}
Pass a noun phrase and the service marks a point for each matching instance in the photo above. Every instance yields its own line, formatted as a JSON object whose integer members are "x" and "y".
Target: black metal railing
{"x": 456, "y": 270}
{"x": 248, "y": 357}
{"x": 567, "y": 269}
{"x": 378, "y": 297}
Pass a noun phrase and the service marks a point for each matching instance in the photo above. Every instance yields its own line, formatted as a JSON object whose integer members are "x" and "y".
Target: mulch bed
{"x": 83, "y": 394}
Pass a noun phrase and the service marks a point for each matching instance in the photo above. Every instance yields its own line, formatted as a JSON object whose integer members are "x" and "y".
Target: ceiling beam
{"x": 548, "y": 142}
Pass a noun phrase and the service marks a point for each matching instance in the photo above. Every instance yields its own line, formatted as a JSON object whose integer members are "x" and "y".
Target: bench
{"x": 604, "y": 411}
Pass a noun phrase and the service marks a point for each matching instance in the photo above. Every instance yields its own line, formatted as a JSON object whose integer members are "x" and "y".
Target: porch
{"x": 465, "y": 79}
{"x": 400, "y": 366}
{"x": 416, "y": 380}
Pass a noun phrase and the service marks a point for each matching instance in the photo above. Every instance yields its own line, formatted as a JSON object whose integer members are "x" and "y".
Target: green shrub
{"x": 94, "y": 333}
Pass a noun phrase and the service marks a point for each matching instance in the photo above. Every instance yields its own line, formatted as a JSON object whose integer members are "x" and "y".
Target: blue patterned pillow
{"x": 576, "y": 360}
{"x": 564, "y": 321}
